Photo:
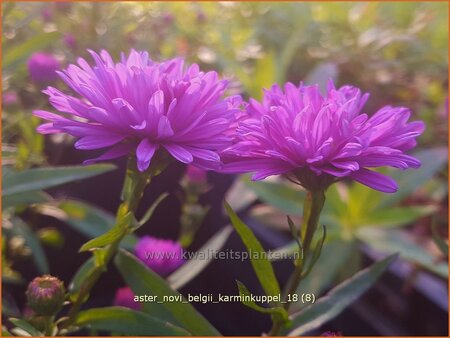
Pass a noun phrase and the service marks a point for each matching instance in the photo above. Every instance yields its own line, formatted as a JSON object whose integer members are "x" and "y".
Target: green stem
{"x": 133, "y": 189}
{"x": 312, "y": 208}
{"x": 48, "y": 326}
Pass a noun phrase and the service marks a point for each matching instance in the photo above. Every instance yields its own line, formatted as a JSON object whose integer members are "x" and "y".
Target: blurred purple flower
{"x": 160, "y": 255}
{"x": 70, "y": 41}
{"x": 141, "y": 105}
{"x": 320, "y": 139}
{"x": 10, "y": 98}
{"x": 195, "y": 175}
{"x": 42, "y": 67}
{"x": 47, "y": 14}
{"x": 125, "y": 297}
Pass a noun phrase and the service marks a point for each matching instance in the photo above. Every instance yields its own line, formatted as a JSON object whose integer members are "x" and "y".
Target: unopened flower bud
{"x": 45, "y": 295}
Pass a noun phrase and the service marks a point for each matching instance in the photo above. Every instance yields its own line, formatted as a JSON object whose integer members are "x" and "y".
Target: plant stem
{"x": 132, "y": 191}
{"x": 312, "y": 208}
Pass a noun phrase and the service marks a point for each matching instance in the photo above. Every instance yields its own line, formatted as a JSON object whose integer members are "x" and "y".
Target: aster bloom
{"x": 125, "y": 297}
{"x": 317, "y": 139}
{"x": 142, "y": 106}
{"x": 160, "y": 255}
{"x": 42, "y": 67}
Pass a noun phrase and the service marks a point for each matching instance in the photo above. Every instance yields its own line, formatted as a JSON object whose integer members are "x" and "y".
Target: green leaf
{"x": 397, "y": 241}
{"x": 239, "y": 196}
{"x": 92, "y": 221}
{"x": 193, "y": 267}
{"x": 331, "y": 305}
{"x": 295, "y": 233}
{"x": 24, "y": 325}
{"x": 394, "y": 217}
{"x": 433, "y": 160}
{"x": 149, "y": 213}
{"x": 17, "y": 55}
{"x": 20, "y": 228}
{"x": 25, "y": 198}
{"x": 334, "y": 255}
{"x": 42, "y": 178}
{"x": 111, "y": 235}
{"x": 316, "y": 253}
{"x": 279, "y": 195}
{"x": 262, "y": 266}
{"x": 143, "y": 281}
{"x": 81, "y": 275}
{"x": 278, "y": 312}
{"x": 127, "y": 322}
{"x": 5, "y": 332}
{"x": 440, "y": 242}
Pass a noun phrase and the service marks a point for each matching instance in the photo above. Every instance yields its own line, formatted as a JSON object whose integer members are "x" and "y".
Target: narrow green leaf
{"x": 440, "y": 242}
{"x": 143, "y": 281}
{"x": 294, "y": 232}
{"x": 395, "y": 217}
{"x": 433, "y": 160}
{"x": 240, "y": 196}
{"x": 92, "y": 221}
{"x": 20, "y": 228}
{"x": 278, "y": 312}
{"x": 110, "y": 236}
{"x": 279, "y": 195}
{"x": 5, "y": 332}
{"x": 331, "y": 305}
{"x": 25, "y": 198}
{"x": 149, "y": 213}
{"x": 262, "y": 266}
{"x": 42, "y": 178}
{"x": 80, "y": 276}
{"x": 334, "y": 255}
{"x": 193, "y": 267}
{"x": 24, "y": 325}
{"x": 127, "y": 322}
{"x": 17, "y": 55}
{"x": 397, "y": 241}
{"x": 317, "y": 252}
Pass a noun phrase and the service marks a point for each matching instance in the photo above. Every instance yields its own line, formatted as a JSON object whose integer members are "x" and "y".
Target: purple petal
{"x": 375, "y": 180}
{"x": 144, "y": 154}
{"x": 180, "y": 153}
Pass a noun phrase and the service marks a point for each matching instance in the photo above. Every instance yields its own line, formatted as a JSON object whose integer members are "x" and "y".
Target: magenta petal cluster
{"x": 43, "y": 67}
{"x": 319, "y": 139}
{"x": 142, "y": 106}
{"x": 161, "y": 255}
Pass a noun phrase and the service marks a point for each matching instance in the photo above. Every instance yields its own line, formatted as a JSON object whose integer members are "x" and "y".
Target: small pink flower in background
{"x": 317, "y": 140}
{"x": 47, "y": 14}
{"x": 70, "y": 41}
{"x": 42, "y": 67}
{"x": 160, "y": 255}
{"x": 10, "y": 98}
{"x": 331, "y": 334}
{"x": 125, "y": 297}
{"x": 196, "y": 175}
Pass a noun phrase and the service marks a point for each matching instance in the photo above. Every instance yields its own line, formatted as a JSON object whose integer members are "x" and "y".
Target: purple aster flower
{"x": 125, "y": 297}
{"x": 160, "y": 255}
{"x": 317, "y": 139}
{"x": 43, "y": 67}
{"x": 142, "y": 106}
